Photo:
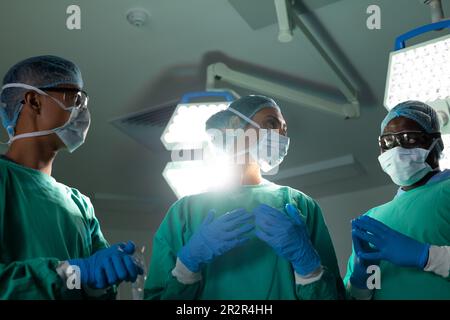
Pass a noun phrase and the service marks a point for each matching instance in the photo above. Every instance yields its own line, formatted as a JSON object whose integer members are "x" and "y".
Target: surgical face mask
{"x": 406, "y": 166}
{"x": 271, "y": 148}
{"x": 72, "y": 133}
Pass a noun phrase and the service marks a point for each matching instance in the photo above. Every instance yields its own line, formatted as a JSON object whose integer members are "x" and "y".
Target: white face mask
{"x": 271, "y": 148}
{"x": 406, "y": 166}
{"x": 72, "y": 133}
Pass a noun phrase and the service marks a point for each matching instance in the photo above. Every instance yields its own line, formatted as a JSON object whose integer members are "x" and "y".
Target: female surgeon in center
{"x": 256, "y": 240}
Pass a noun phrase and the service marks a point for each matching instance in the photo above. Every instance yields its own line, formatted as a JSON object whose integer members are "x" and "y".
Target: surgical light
{"x": 198, "y": 176}
{"x": 420, "y": 72}
{"x": 186, "y": 128}
{"x": 185, "y": 132}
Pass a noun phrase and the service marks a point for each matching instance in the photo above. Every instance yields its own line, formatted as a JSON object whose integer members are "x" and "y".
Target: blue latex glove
{"x": 390, "y": 245}
{"x": 359, "y": 275}
{"x": 108, "y": 266}
{"x": 214, "y": 237}
{"x": 288, "y": 236}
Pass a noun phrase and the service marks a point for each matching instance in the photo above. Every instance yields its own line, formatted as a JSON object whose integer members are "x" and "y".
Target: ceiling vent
{"x": 147, "y": 126}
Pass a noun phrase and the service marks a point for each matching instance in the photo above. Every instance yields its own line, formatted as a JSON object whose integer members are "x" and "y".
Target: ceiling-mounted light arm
{"x": 400, "y": 41}
{"x": 437, "y": 12}
{"x": 219, "y": 71}
{"x": 284, "y": 21}
{"x": 344, "y": 82}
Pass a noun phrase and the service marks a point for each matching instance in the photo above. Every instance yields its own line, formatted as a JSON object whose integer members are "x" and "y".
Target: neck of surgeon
{"x": 250, "y": 174}
{"x": 34, "y": 152}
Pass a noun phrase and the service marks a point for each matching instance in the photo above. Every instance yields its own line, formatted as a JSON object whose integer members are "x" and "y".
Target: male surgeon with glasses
{"x": 51, "y": 245}
{"x": 408, "y": 238}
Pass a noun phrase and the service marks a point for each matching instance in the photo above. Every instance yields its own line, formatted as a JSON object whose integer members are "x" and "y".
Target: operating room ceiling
{"x": 128, "y": 69}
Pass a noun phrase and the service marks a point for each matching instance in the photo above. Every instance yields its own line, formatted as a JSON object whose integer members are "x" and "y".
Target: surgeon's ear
{"x": 32, "y": 99}
{"x": 433, "y": 158}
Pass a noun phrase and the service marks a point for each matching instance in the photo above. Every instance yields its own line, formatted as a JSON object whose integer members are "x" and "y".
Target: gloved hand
{"x": 359, "y": 275}
{"x": 108, "y": 266}
{"x": 215, "y": 237}
{"x": 288, "y": 236}
{"x": 391, "y": 245}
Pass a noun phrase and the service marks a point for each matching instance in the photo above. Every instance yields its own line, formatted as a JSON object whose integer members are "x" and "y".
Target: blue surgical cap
{"x": 248, "y": 106}
{"x": 41, "y": 72}
{"x": 419, "y": 112}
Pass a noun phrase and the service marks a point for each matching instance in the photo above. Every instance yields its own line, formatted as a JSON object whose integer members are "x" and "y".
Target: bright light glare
{"x": 444, "y": 162}
{"x": 194, "y": 177}
{"x": 186, "y": 129}
{"x": 421, "y": 72}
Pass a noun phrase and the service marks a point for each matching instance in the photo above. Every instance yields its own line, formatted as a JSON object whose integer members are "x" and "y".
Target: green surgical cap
{"x": 419, "y": 112}
{"x": 41, "y": 72}
{"x": 248, "y": 106}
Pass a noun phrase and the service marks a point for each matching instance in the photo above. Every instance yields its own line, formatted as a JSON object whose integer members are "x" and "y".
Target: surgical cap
{"x": 248, "y": 106}
{"x": 419, "y": 112}
{"x": 41, "y": 72}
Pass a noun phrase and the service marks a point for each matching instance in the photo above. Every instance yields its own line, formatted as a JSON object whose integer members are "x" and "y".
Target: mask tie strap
{"x": 432, "y": 146}
{"x": 239, "y": 114}
{"x": 31, "y": 134}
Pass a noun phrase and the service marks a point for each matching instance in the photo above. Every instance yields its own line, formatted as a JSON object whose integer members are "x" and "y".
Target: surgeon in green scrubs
{"x": 51, "y": 245}
{"x": 408, "y": 238}
{"x": 254, "y": 240}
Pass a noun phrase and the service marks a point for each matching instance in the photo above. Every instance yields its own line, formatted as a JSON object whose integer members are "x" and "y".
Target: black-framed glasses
{"x": 75, "y": 97}
{"x": 406, "y": 139}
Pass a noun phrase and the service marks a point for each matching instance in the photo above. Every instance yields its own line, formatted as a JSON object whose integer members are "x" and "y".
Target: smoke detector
{"x": 138, "y": 17}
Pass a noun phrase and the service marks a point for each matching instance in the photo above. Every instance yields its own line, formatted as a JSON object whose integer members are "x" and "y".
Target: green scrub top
{"x": 422, "y": 213}
{"x": 251, "y": 271}
{"x": 42, "y": 222}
